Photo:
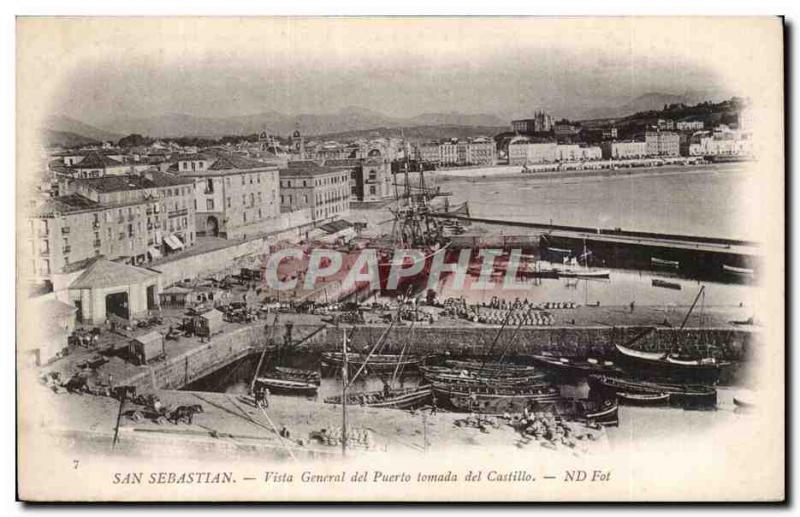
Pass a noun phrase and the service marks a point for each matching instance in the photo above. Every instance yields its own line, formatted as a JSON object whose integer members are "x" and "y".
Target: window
{"x": 252, "y": 199}
{"x": 259, "y": 213}
{"x": 251, "y": 179}
{"x": 209, "y": 204}
{"x": 229, "y": 202}
{"x": 244, "y": 216}
{"x": 244, "y": 199}
{"x": 258, "y": 178}
{"x": 242, "y": 179}
{"x": 210, "y": 186}
{"x": 259, "y": 197}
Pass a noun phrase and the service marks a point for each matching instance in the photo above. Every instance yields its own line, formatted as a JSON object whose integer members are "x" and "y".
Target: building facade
{"x": 324, "y": 191}
{"x": 136, "y": 219}
{"x": 234, "y": 196}
{"x": 541, "y": 122}
{"x": 662, "y": 143}
{"x": 623, "y": 150}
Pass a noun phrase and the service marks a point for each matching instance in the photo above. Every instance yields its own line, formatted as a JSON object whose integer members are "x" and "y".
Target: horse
{"x": 185, "y": 414}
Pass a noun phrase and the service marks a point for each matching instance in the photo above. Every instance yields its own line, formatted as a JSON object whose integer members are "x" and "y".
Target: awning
{"x": 154, "y": 252}
{"x": 173, "y": 243}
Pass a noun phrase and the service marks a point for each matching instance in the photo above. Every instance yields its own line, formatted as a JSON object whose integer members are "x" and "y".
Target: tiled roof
{"x": 65, "y": 205}
{"x": 95, "y": 160}
{"x": 234, "y": 161}
{"x": 221, "y": 162}
{"x": 151, "y": 178}
{"x": 105, "y": 273}
{"x": 306, "y": 169}
{"x": 344, "y": 162}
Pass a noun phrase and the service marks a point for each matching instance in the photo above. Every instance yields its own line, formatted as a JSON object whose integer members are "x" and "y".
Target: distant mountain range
{"x": 417, "y": 133}
{"x": 349, "y": 121}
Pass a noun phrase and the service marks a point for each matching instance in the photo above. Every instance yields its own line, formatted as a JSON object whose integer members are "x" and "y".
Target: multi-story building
{"x": 324, "y": 191}
{"x": 234, "y": 196}
{"x": 95, "y": 165}
{"x": 137, "y": 218}
{"x": 622, "y": 150}
{"x": 689, "y": 125}
{"x": 482, "y": 151}
{"x": 428, "y": 152}
{"x": 575, "y": 153}
{"x": 541, "y": 122}
{"x": 370, "y": 178}
{"x": 722, "y": 141}
{"x": 448, "y": 153}
{"x": 662, "y": 143}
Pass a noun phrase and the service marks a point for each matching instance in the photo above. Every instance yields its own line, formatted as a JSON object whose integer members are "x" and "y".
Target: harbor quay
{"x": 190, "y": 359}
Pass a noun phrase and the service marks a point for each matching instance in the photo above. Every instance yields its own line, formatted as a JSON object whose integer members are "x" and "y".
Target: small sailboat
{"x": 738, "y": 271}
{"x": 664, "y": 264}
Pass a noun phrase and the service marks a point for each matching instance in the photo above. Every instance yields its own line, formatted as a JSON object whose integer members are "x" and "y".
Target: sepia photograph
{"x": 400, "y": 259}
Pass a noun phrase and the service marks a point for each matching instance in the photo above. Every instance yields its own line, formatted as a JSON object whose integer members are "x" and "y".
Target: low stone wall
{"x": 729, "y": 344}
{"x": 178, "y": 371}
{"x": 223, "y": 349}
{"x": 206, "y": 263}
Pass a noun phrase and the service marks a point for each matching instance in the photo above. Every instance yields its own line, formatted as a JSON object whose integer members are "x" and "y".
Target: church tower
{"x": 299, "y": 144}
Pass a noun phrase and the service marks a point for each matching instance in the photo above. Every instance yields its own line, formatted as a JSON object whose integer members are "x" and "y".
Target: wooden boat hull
{"x": 444, "y": 375}
{"x": 738, "y": 271}
{"x": 642, "y": 399}
{"x": 494, "y": 400}
{"x": 572, "y": 368}
{"x": 398, "y": 399}
{"x": 665, "y": 264}
{"x": 661, "y": 368}
{"x": 377, "y": 363}
{"x": 491, "y": 368}
{"x": 282, "y": 386}
{"x": 686, "y": 396}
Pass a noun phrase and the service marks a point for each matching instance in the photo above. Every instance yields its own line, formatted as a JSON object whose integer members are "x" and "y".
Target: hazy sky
{"x": 399, "y": 67}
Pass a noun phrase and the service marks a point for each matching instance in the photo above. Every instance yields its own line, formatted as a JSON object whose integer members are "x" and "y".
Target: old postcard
{"x": 400, "y": 259}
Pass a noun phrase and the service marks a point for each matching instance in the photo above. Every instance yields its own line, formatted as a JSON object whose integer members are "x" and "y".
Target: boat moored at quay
{"x": 688, "y": 396}
{"x": 493, "y": 399}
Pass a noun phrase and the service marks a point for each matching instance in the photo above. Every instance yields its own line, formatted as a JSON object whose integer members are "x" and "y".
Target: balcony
{"x": 43, "y": 233}
{"x": 96, "y": 225}
{"x": 120, "y": 220}
{"x": 66, "y": 249}
{"x": 45, "y": 252}
{"x": 149, "y": 211}
{"x": 182, "y": 211}
{"x": 149, "y": 226}
{"x": 65, "y": 229}
{"x": 97, "y": 243}
{"x": 130, "y": 217}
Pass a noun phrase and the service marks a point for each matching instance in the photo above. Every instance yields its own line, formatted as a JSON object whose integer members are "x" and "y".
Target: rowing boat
{"x": 377, "y": 362}
{"x": 395, "y": 398}
{"x": 690, "y": 396}
{"x": 493, "y": 399}
{"x": 285, "y": 386}
{"x": 574, "y": 366}
{"x": 642, "y": 399}
{"x": 663, "y": 263}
